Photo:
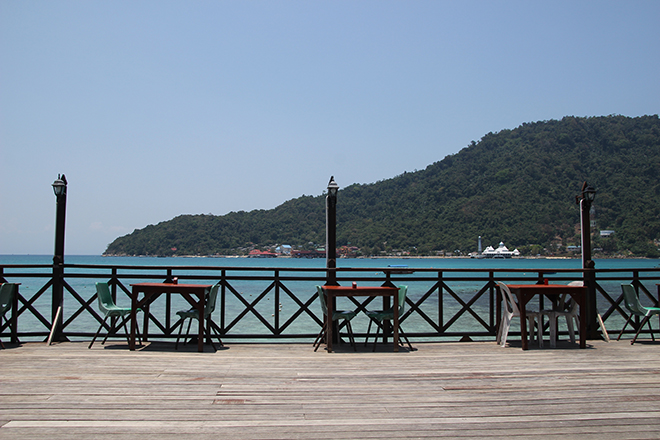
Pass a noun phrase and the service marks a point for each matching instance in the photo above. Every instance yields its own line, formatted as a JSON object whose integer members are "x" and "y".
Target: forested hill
{"x": 516, "y": 186}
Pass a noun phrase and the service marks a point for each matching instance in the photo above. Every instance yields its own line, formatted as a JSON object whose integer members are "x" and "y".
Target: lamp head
{"x": 589, "y": 194}
{"x": 333, "y": 188}
{"x": 59, "y": 186}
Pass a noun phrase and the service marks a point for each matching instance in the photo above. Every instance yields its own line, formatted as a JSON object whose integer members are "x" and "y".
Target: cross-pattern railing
{"x": 282, "y": 303}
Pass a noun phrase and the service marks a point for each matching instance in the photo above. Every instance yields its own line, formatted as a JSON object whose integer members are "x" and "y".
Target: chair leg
{"x": 377, "y": 333}
{"x": 641, "y": 324}
{"x": 505, "y": 329}
{"x": 212, "y": 344}
{"x": 539, "y": 330}
{"x": 176, "y": 346}
{"x": 317, "y": 341}
{"x": 128, "y": 336}
{"x": 351, "y": 338}
{"x": 368, "y": 330}
{"x": 571, "y": 329}
{"x": 97, "y": 333}
{"x": 651, "y": 329}
{"x": 624, "y": 326}
{"x": 137, "y": 330}
{"x": 553, "y": 329}
{"x": 216, "y": 333}
{"x": 406, "y": 339}
{"x": 500, "y": 330}
{"x": 125, "y": 321}
{"x": 110, "y": 332}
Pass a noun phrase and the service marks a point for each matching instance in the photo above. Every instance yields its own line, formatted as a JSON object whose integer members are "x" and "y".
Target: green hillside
{"x": 516, "y": 186}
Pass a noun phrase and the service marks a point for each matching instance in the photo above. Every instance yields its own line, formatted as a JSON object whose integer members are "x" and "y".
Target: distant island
{"x": 516, "y": 186}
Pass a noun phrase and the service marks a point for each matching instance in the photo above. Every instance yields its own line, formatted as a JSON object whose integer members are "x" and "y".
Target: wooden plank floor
{"x": 278, "y": 391}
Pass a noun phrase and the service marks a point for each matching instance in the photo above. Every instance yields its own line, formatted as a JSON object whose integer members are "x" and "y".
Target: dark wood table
{"x": 332, "y": 292}
{"x": 525, "y": 292}
{"x": 195, "y": 294}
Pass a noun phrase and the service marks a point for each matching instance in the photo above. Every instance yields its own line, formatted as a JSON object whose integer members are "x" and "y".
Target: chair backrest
{"x": 6, "y": 296}
{"x": 211, "y": 299}
{"x": 403, "y": 291}
{"x": 631, "y": 300}
{"x": 564, "y": 300}
{"x": 321, "y": 293}
{"x": 510, "y": 302}
{"x": 104, "y": 296}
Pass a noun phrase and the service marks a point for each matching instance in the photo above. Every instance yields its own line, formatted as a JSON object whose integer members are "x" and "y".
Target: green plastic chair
{"x": 378, "y": 316}
{"x": 6, "y": 297}
{"x": 192, "y": 313}
{"x": 337, "y": 315}
{"x": 635, "y": 308}
{"x": 108, "y": 307}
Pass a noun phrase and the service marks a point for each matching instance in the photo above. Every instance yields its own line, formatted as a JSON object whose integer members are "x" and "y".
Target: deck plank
{"x": 273, "y": 391}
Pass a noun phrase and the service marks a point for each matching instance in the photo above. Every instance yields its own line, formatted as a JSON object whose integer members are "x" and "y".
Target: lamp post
{"x": 585, "y": 199}
{"x": 331, "y": 232}
{"x": 59, "y": 188}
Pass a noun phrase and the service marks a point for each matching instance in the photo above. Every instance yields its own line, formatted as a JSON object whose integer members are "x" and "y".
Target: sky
{"x": 154, "y": 109}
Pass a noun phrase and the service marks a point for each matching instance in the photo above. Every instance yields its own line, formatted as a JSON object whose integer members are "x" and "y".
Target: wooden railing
{"x": 281, "y": 303}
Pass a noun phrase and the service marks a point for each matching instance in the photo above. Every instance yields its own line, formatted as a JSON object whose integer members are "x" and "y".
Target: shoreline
{"x": 386, "y": 257}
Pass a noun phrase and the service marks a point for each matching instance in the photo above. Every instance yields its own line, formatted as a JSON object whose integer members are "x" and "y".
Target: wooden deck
{"x": 278, "y": 391}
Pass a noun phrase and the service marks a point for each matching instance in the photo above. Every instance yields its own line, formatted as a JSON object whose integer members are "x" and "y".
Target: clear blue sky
{"x": 154, "y": 109}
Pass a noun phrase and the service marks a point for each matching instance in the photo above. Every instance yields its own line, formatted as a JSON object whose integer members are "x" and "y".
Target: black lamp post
{"x": 331, "y": 232}
{"x": 585, "y": 199}
{"x": 59, "y": 187}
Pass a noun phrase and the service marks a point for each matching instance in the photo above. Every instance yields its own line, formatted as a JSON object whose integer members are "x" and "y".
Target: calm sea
{"x": 434, "y": 263}
{"x": 251, "y": 289}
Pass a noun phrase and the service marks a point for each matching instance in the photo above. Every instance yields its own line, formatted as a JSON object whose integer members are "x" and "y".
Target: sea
{"x": 251, "y": 325}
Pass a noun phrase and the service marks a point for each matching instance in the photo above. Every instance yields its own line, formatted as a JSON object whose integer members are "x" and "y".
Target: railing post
{"x": 592, "y": 310}
{"x": 276, "y": 303}
{"x": 441, "y": 302}
{"x": 223, "y": 294}
{"x": 495, "y": 309}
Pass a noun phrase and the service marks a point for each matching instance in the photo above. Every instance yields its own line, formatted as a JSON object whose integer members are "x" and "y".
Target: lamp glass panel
{"x": 58, "y": 187}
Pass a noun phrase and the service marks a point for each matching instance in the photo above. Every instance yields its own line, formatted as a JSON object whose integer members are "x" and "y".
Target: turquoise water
{"x": 431, "y": 263}
{"x": 267, "y": 307}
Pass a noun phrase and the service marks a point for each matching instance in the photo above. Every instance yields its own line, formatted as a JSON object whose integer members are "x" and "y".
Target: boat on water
{"x": 400, "y": 269}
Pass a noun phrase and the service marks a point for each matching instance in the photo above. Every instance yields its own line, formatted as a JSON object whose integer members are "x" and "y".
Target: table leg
{"x": 134, "y": 301}
{"x": 200, "y": 330}
{"x": 145, "y": 324}
{"x": 396, "y": 322}
{"x": 523, "y": 322}
{"x": 583, "y": 320}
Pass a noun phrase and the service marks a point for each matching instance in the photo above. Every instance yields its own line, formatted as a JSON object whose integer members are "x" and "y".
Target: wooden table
{"x": 195, "y": 294}
{"x": 525, "y": 292}
{"x": 332, "y": 292}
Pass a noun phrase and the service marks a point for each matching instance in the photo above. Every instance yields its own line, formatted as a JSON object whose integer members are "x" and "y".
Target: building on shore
{"x": 501, "y": 252}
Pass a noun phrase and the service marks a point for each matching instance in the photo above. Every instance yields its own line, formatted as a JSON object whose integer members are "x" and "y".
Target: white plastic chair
{"x": 571, "y": 315}
{"x": 510, "y": 311}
